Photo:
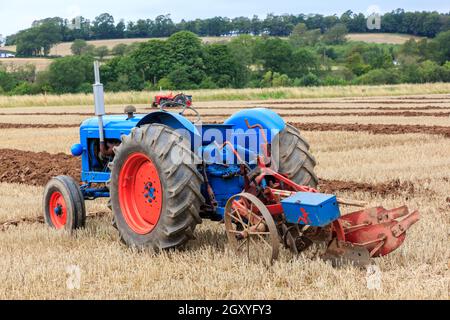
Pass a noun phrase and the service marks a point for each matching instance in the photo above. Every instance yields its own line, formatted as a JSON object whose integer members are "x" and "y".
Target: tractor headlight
{"x": 76, "y": 150}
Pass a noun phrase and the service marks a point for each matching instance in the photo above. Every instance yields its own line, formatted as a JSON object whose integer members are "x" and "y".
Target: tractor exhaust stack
{"x": 99, "y": 100}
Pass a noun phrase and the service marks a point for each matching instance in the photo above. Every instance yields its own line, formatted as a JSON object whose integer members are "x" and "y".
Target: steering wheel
{"x": 183, "y": 107}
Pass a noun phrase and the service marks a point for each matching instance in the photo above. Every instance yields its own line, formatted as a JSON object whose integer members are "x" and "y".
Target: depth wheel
{"x": 64, "y": 206}
{"x": 251, "y": 229}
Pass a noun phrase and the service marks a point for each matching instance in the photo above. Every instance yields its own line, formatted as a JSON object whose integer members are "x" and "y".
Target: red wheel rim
{"x": 58, "y": 210}
{"x": 140, "y": 193}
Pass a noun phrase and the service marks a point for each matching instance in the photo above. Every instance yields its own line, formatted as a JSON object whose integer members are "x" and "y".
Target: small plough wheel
{"x": 251, "y": 229}
{"x": 64, "y": 206}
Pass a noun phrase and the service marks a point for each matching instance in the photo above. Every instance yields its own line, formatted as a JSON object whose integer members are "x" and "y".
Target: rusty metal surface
{"x": 344, "y": 253}
{"x": 249, "y": 224}
{"x": 378, "y": 230}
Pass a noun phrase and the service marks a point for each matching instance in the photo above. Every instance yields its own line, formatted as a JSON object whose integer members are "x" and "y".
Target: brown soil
{"x": 370, "y": 114}
{"x": 374, "y": 128}
{"x": 36, "y": 168}
{"x": 375, "y": 114}
{"x": 300, "y": 102}
{"x": 47, "y": 114}
{"x": 14, "y": 223}
{"x": 36, "y": 126}
{"x": 390, "y": 188}
{"x": 40, "y": 220}
{"x": 429, "y": 107}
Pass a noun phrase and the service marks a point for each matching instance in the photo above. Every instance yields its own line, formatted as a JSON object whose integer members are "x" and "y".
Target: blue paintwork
{"x": 114, "y": 126}
{"x": 211, "y": 154}
{"x": 269, "y": 119}
{"x": 171, "y": 119}
{"x": 226, "y": 182}
{"x": 77, "y": 150}
{"x": 313, "y": 209}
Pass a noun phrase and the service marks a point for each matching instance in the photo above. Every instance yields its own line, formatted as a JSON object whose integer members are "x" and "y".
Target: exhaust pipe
{"x": 99, "y": 100}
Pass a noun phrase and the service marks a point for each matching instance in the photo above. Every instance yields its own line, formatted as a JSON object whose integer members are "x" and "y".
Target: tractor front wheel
{"x": 155, "y": 196}
{"x": 64, "y": 206}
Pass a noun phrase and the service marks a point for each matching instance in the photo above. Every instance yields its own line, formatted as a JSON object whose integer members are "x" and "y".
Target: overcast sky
{"x": 19, "y": 14}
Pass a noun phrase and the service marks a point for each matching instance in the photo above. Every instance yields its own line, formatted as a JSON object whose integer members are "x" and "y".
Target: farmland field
{"x": 390, "y": 38}
{"x": 385, "y": 149}
{"x": 64, "y": 49}
{"x": 11, "y": 64}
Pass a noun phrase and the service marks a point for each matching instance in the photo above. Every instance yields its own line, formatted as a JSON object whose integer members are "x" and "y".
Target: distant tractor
{"x": 164, "y": 174}
{"x": 169, "y": 100}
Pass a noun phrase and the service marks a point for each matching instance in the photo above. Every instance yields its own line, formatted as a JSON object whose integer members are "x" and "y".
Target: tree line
{"x": 183, "y": 62}
{"x": 44, "y": 33}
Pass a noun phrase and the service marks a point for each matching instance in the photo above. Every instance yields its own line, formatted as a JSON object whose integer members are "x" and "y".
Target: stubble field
{"x": 386, "y": 150}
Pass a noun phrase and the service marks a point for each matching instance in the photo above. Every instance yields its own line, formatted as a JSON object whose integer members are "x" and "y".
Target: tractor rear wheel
{"x": 292, "y": 157}
{"x": 155, "y": 200}
{"x": 64, "y": 206}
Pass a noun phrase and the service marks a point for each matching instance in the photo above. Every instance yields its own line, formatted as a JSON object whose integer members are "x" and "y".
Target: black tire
{"x": 180, "y": 183}
{"x": 73, "y": 198}
{"x": 292, "y": 157}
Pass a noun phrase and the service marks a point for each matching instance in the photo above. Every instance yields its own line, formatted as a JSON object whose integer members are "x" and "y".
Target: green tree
{"x": 152, "y": 59}
{"x": 7, "y": 81}
{"x": 356, "y": 64}
{"x": 241, "y": 48}
{"x": 48, "y": 35}
{"x": 68, "y": 74}
{"x": 309, "y": 80}
{"x": 185, "y": 49}
{"x": 379, "y": 76}
{"x": 274, "y": 54}
{"x": 38, "y": 40}
{"x": 442, "y": 44}
{"x": 298, "y": 35}
{"x": 281, "y": 80}
{"x": 104, "y": 27}
{"x": 220, "y": 65}
{"x": 101, "y": 52}
{"x": 180, "y": 77}
{"x": 119, "y": 49}
{"x": 79, "y": 47}
{"x": 336, "y": 34}
{"x": 304, "y": 61}
{"x": 121, "y": 74}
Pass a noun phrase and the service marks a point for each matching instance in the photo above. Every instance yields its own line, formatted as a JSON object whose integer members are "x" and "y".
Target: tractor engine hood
{"x": 114, "y": 125}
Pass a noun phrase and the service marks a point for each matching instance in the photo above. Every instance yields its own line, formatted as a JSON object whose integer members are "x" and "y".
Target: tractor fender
{"x": 174, "y": 121}
{"x": 268, "y": 119}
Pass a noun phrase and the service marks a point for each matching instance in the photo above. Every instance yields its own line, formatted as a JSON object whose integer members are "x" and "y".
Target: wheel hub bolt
{"x": 58, "y": 210}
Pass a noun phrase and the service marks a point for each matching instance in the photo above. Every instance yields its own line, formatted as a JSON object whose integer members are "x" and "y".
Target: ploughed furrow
{"x": 36, "y": 168}
{"x": 390, "y": 188}
{"x": 5, "y": 225}
{"x": 390, "y": 102}
{"x": 36, "y": 126}
{"x": 46, "y": 114}
{"x": 374, "y": 128}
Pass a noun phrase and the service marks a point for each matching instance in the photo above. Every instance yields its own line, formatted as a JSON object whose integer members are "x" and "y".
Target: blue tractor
{"x": 164, "y": 174}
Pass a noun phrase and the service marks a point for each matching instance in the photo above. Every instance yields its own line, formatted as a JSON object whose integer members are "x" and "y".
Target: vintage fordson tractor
{"x": 163, "y": 174}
